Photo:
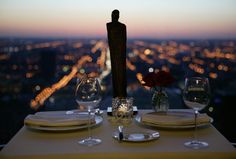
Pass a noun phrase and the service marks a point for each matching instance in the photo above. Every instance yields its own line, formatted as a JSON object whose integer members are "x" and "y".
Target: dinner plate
{"x": 98, "y": 120}
{"x": 138, "y": 136}
{"x": 138, "y": 120}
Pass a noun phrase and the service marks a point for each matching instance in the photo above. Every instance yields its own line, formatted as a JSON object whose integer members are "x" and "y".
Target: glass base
{"x": 90, "y": 141}
{"x": 196, "y": 144}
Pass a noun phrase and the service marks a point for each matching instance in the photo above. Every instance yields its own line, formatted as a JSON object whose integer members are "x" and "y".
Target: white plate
{"x": 98, "y": 120}
{"x": 138, "y": 119}
{"x": 138, "y": 136}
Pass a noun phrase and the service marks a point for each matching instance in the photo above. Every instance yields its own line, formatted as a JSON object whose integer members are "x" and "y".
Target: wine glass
{"x": 88, "y": 95}
{"x": 196, "y": 95}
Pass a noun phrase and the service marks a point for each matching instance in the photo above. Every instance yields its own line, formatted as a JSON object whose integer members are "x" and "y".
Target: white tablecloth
{"x": 38, "y": 144}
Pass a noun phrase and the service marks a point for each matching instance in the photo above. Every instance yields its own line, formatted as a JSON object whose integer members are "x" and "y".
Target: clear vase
{"x": 160, "y": 101}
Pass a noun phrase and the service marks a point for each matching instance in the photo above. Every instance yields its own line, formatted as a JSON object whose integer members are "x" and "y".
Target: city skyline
{"x": 157, "y": 19}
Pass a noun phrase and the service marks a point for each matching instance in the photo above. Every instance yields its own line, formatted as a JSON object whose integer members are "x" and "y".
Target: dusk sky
{"x": 143, "y": 18}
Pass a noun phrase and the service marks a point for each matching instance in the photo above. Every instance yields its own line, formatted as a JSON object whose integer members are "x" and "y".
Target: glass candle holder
{"x": 122, "y": 110}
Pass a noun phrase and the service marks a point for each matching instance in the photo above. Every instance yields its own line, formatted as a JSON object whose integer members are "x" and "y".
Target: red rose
{"x": 149, "y": 80}
{"x": 160, "y": 79}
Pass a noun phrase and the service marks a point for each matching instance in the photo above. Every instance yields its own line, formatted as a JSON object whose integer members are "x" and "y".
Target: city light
{"x": 47, "y": 92}
{"x": 92, "y": 56}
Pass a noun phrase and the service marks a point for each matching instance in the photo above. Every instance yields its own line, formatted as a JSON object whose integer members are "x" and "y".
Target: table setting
{"x": 88, "y": 96}
{"x": 121, "y": 130}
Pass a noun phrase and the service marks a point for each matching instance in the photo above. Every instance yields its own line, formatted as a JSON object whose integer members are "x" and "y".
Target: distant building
{"x": 47, "y": 64}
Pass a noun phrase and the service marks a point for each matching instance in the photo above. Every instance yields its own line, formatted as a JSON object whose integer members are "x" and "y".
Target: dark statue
{"x": 116, "y": 33}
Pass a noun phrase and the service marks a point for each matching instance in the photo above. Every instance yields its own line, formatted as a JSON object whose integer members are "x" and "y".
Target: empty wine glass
{"x": 196, "y": 95}
{"x": 88, "y": 95}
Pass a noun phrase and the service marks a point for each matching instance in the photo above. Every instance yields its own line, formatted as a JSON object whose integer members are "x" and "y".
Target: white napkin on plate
{"x": 174, "y": 118}
{"x": 58, "y": 118}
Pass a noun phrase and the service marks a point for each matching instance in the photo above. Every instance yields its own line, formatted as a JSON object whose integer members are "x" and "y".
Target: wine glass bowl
{"x": 88, "y": 96}
{"x": 196, "y": 95}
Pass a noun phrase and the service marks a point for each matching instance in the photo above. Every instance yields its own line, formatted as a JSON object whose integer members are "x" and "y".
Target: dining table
{"x": 37, "y": 144}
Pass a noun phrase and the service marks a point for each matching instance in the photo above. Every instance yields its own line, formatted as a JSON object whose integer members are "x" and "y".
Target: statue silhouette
{"x": 116, "y": 33}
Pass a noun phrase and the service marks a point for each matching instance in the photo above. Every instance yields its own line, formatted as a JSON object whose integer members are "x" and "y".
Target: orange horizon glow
{"x": 153, "y": 18}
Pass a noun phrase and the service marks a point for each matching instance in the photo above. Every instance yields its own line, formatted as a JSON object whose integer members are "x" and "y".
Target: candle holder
{"x": 122, "y": 110}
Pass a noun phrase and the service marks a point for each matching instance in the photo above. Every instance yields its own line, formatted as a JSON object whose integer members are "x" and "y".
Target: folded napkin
{"x": 58, "y": 118}
{"x": 174, "y": 118}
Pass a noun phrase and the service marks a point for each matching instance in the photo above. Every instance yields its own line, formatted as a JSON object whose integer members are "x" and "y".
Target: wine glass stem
{"x": 89, "y": 124}
{"x": 195, "y": 126}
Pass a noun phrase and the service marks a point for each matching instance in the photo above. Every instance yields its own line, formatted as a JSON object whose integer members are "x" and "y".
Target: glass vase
{"x": 160, "y": 101}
